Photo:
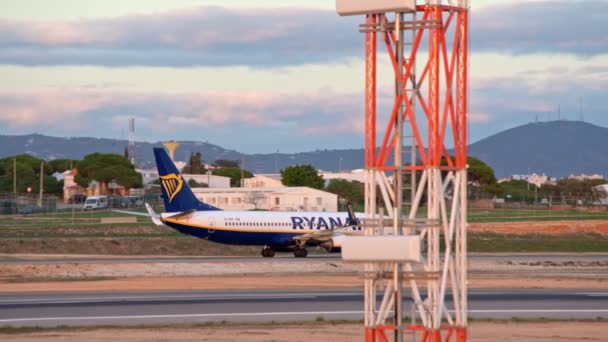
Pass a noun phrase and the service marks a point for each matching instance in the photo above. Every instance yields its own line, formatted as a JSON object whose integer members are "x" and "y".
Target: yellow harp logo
{"x": 172, "y": 184}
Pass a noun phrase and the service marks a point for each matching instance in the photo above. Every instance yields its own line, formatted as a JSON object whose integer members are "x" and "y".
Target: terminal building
{"x": 299, "y": 198}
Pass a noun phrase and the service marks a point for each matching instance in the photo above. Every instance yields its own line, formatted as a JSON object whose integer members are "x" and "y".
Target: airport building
{"x": 213, "y": 181}
{"x": 266, "y": 198}
{"x": 274, "y": 180}
{"x": 263, "y": 181}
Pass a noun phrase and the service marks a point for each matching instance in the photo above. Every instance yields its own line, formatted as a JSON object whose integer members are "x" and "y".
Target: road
{"x": 281, "y": 257}
{"x": 51, "y": 309}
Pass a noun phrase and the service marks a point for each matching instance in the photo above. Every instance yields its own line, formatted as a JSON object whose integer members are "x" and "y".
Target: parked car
{"x": 95, "y": 202}
{"x": 120, "y": 202}
{"x": 153, "y": 198}
{"x": 136, "y": 201}
{"x": 29, "y": 209}
{"x": 77, "y": 199}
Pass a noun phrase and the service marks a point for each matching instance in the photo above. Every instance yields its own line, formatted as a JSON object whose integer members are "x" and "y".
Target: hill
{"x": 557, "y": 148}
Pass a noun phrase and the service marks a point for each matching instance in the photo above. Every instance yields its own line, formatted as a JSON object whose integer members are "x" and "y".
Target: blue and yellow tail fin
{"x": 176, "y": 192}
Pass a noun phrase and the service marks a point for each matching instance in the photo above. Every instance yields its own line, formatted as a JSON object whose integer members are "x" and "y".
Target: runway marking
{"x": 184, "y": 316}
{"x": 245, "y": 314}
{"x": 537, "y": 311}
{"x": 177, "y": 297}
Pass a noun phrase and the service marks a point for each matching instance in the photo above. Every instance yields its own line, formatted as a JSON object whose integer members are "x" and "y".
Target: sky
{"x": 282, "y": 76}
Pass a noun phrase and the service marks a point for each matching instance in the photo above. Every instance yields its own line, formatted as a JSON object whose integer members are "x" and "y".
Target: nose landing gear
{"x": 267, "y": 252}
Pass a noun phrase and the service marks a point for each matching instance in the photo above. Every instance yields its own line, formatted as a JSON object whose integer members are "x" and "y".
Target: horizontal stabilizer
{"x": 151, "y": 214}
{"x": 182, "y": 216}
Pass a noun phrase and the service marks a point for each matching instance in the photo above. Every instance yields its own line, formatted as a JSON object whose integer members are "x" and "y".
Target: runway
{"x": 281, "y": 257}
{"x": 124, "y": 308}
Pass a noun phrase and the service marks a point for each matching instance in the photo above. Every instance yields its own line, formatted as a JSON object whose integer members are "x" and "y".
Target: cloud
{"x": 197, "y": 36}
{"x": 542, "y": 26}
{"x": 285, "y": 36}
{"x": 93, "y": 110}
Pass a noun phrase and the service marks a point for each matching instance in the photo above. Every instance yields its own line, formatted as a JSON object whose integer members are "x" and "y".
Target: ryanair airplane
{"x": 275, "y": 231}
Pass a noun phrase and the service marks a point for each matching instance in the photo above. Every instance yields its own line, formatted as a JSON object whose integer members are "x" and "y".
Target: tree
{"x": 353, "y": 192}
{"x": 195, "y": 165}
{"x": 61, "y": 165}
{"x": 105, "y": 168}
{"x": 480, "y": 177}
{"x": 579, "y": 191}
{"x": 479, "y": 173}
{"x": 226, "y": 163}
{"x": 28, "y": 174}
{"x": 234, "y": 173}
{"x": 518, "y": 190}
{"x": 194, "y": 184}
{"x": 301, "y": 175}
{"x": 255, "y": 197}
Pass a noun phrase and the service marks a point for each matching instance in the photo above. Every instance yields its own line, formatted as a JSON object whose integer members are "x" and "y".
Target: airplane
{"x": 275, "y": 231}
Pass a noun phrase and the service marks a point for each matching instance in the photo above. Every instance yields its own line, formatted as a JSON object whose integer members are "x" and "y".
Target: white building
{"x": 603, "y": 200}
{"x": 150, "y": 175}
{"x": 272, "y": 180}
{"x": 355, "y": 175}
{"x": 534, "y": 178}
{"x": 212, "y": 181}
{"x": 584, "y": 176}
{"x": 281, "y": 199}
{"x": 538, "y": 180}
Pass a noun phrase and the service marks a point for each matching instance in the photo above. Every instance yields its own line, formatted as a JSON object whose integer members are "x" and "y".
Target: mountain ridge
{"x": 556, "y": 148}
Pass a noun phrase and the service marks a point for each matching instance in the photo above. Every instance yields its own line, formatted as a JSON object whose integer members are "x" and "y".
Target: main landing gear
{"x": 300, "y": 252}
{"x": 267, "y": 252}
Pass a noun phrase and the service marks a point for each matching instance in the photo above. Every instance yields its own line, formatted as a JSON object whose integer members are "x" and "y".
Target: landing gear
{"x": 267, "y": 252}
{"x": 300, "y": 252}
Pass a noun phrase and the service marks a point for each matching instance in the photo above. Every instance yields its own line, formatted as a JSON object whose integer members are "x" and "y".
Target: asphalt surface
{"x": 123, "y": 308}
{"x": 281, "y": 257}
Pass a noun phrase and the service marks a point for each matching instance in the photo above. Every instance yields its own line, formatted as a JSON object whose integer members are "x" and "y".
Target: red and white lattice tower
{"x": 428, "y": 193}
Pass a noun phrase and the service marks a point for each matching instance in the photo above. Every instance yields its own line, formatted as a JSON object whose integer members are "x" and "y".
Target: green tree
{"x": 480, "y": 177}
{"x": 61, "y": 165}
{"x": 479, "y": 173}
{"x": 518, "y": 190}
{"x": 579, "y": 191}
{"x": 28, "y": 174}
{"x": 234, "y": 173}
{"x": 226, "y": 163}
{"x": 301, "y": 175}
{"x": 194, "y": 184}
{"x": 105, "y": 168}
{"x": 196, "y": 165}
{"x": 353, "y": 192}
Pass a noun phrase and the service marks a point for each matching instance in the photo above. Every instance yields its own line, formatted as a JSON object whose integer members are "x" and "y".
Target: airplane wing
{"x": 151, "y": 214}
{"x": 331, "y": 234}
{"x": 324, "y": 235}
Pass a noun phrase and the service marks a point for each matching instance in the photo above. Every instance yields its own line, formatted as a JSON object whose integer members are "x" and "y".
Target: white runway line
{"x": 253, "y": 314}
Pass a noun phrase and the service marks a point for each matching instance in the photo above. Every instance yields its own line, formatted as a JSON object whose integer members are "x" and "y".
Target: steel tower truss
{"x": 432, "y": 110}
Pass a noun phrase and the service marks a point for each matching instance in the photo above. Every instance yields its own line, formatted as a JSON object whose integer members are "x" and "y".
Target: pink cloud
{"x": 75, "y": 108}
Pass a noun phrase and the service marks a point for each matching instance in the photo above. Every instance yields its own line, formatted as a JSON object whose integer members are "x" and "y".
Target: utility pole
{"x": 41, "y": 183}
{"x": 15, "y": 175}
{"x": 242, "y": 182}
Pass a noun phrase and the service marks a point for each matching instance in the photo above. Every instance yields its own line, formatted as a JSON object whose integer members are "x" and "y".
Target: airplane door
{"x": 211, "y": 229}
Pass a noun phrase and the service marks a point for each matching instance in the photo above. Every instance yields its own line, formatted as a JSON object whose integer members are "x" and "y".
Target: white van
{"x": 95, "y": 202}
